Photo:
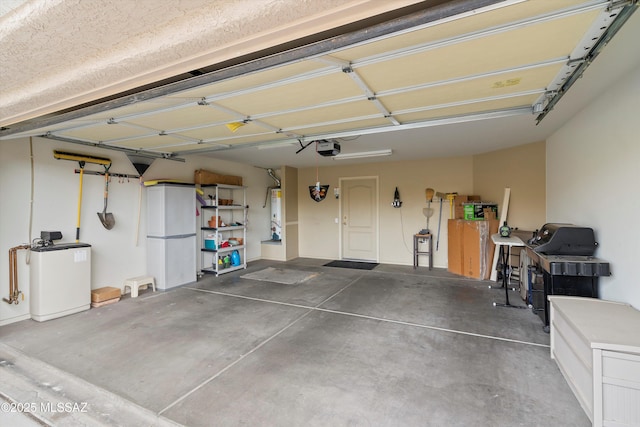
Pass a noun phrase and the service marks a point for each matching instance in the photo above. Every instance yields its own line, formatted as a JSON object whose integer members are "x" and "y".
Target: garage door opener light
{"x": 363, "y": 154}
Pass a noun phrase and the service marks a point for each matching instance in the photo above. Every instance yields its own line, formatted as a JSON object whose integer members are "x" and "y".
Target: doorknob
{"x": 344, "y": 222}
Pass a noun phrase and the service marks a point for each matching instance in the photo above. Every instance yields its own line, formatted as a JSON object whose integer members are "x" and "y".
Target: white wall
{"x": 593, "y": 179}
{"x": 115, "y": 255}
{"x": 521, "y": 169}
{"x": 320, "y": 234}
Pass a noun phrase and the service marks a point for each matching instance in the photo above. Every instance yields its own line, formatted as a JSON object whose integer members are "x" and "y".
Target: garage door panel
{"x": 252, "y": 80}
{"x": 294, "y": 95}
{"x": 492, "y": 86}
{"x": 324, "y": 114}
{"x": 457, "y": 26}
{"x": 527, "y": 45}
{"x": 194, "y": 115}
{"x": 105, "y": 132}
{"x": 462, "y": 110}
{"x": 337, "y": 127}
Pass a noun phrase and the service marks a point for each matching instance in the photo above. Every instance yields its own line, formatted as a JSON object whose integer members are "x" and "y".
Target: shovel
{"x": 81, "y": 163}
{"x": 106, "y": 219}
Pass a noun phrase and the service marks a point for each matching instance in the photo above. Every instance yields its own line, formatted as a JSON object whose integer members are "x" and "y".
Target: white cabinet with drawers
{"x": 596, "y": 345}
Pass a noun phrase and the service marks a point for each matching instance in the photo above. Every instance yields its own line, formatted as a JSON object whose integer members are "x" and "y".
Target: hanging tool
{"x": 439, "y": 222}
{"x": 82, "y": 159}
{"x": 427, "y": 212}
{"x": 141, "y": 163}
{"x": 106, "y": 218}
{"x": 140, "y": 185}
{"x": 121, "y": 176}
{"x": 81, "y": 164}
{"x": 450, "y": 198}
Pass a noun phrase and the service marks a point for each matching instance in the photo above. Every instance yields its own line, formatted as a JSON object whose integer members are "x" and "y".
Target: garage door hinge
{"x": 617, "y": 4}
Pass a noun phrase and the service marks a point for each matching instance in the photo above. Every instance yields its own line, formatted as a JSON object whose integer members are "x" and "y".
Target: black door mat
{"x": 352, "y": 264}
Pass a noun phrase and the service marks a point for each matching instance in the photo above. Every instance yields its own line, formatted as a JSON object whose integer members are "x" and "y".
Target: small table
{"x": 416, "y": 252}
{"x": 505, "y": 244}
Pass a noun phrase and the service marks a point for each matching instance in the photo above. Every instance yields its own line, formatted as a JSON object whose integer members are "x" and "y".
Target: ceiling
{"x": 7, "y": 6}
{"x": 445, "y": 81}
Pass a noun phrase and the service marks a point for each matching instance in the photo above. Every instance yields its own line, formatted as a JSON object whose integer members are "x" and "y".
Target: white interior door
{"x": 359, "y": 221}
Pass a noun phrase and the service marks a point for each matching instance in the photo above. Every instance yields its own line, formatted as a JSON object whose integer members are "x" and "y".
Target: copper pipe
{"x": 14, "y": 289}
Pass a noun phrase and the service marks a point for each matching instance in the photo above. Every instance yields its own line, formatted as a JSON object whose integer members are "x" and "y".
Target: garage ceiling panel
{"x": 249, "y": 139}
{"x": 191, "y": 116}
{"x": 464, "y": 25}
{"x": 527, "y": 45}
{"x": 492, "y": 86}
{"x": 251, "y": 80}
{"x": 462, "y": 110}
{"x": 298, "y": 94}
{"x": 222, "y": 131}
{"x": 324, "y": 114}
{"x": 187, "y": 148}
{"x": 153, "y": 143}
{"x": 192, "y": 147}
{"x": 339, "y": 127}
{"x": 58, "y": 128}
{"x": 104, "y": 132}
{"x": 137, "y": 108}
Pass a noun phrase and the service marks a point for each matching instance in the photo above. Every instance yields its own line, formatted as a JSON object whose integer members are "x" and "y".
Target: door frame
{"x": 376, "y": 180}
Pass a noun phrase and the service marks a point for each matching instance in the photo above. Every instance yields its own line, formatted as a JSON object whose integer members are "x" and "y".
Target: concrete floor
{"x": 389, "y": 347}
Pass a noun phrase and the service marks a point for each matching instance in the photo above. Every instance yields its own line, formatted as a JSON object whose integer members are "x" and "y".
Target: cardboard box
{"x": 103, "y": 303}
{"x": 454, "y": 248}
{"x": 476, "y": 210}
{"x": 490, "y": 213}
{"x": 204, "y": 177}
{"x": 104, "y": 294}
{"x": 470, "y": 247}
{"x": 458, "y": 204}
{"x": 478, "y": 248}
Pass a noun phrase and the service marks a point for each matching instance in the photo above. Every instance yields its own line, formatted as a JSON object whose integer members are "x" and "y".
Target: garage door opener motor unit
{"x": 328, "y": 148}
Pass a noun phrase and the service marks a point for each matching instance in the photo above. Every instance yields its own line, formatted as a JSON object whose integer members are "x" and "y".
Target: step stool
{"x": 138, "y": 282}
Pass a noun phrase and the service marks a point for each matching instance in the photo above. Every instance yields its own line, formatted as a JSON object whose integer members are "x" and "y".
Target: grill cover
{"x": 564, "y": 239}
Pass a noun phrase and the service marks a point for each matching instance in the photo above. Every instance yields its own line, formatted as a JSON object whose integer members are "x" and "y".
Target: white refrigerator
{"x": 171, "y": 234}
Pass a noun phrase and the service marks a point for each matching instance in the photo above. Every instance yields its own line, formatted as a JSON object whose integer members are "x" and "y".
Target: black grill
{"x": 563, "y": 263}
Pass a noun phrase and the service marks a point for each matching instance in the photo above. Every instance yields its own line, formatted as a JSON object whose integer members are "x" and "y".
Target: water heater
{"x": 60, "y": 280}
{"x": 276, "y": 214}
